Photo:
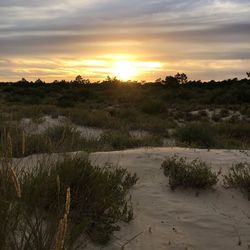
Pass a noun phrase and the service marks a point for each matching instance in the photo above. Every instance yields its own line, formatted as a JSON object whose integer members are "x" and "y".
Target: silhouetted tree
{"x": 171, "y": 81}
{"x": 248, "y": 74}
{"x": 158, "y": 80}
{"x": 111, "y": 80}
{"x": 39, "y": 81}
{"x": 181, "y": 78}
{"x": 79, "y": 80}
{"x": 23, "y": 81}
{"x": 63, "y": 82}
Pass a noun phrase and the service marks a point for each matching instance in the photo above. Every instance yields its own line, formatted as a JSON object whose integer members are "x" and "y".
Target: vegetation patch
{"x": 194, "y": 174}
{"x": 239, "y": 177}
{"x": 87, "y": 200}
{"x": 122, "y": 139}
{"x": 217, "y": 114}
{"x": 54, "y": 140}
{"x": 234, "y": 135}
{"x": 199, "y": 135}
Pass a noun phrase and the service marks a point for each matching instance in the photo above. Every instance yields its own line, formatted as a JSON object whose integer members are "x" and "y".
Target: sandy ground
{"x": 215, "y": 219}
{"x": 181, "y": 219}
{"x": 46, "y": 122}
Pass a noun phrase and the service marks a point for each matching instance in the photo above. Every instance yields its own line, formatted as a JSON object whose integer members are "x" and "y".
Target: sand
{"x": 181, "y": 219}
{"x": 46, "y": 122}
{"x": 215, "y": 219}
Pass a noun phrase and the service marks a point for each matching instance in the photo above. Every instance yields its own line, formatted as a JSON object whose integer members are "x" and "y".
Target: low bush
{"x": 239, "y": 177}
{"x": 194, "y": 174}
{"x": 239, "y": 130}
{"x": 98, "y": 195}
{"x": 96, "y": 118}
{"x": 121, "y": 139}
{"x": 33, "y": 201}
{"x": 53, "y": 140}
{"x": 233, "y": 135}
{"x": 198, "y": 135}
{"x": 20, "y": 227}
{"x": 66, "y": 102}
{"x": 153, "y": 107}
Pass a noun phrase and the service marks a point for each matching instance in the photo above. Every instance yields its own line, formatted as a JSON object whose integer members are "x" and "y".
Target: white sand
{"x": 216, "y": 219}
{"x": 46, "y": 122}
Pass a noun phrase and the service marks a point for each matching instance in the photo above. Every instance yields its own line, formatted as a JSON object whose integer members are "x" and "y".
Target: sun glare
{"x": 124, "y": 70}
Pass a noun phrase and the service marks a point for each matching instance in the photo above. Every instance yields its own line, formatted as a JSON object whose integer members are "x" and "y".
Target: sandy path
{"x": 215, "y": 219}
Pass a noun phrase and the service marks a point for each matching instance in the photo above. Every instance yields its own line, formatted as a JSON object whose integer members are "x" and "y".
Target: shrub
{"x": 119, "y": 140}
{"x": 122, "y": 139}
{"x": 199, "y": 135}
{"x": 56, "y": 139}
{"x": 203, "y": 113}
{"x": 234, "y": 135}
{"x": 194, "y": 174}
{"x": 239, "y": 177}
{"x": 153, "y": 107}
{"x": 65, "y": 102}
{"x": 21, "y": 228}
{"x": 224, "y": 113}
{"x": 240, "y": 130}
{"x": 97, "y": 118}
{"x": 99, "y": 196}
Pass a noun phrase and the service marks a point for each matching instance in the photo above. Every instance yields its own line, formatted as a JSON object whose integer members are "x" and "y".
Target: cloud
{"x": 156, "y": 30}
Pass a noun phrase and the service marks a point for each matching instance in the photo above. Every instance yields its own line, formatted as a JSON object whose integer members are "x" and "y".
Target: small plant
{"x": 194, "y": 174}
{"x": 239, "y": 177}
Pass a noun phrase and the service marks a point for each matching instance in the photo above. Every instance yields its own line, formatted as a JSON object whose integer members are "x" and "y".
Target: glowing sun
{"x": 124, "y": 70}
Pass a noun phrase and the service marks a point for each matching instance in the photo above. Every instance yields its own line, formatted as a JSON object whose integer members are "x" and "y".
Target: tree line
{"x": 170, "y": 81}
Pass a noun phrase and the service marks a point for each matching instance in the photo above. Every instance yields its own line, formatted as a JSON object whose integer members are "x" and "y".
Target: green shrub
{"x": 65, "y": 102}
{"x": 153, "y": 107}
{"x": 194, "y": 174}
{"x": 20, "y": 227}
{"x": 200, "y": 135}
{"x": 224, "y": 112}
{"x": 53, "y": 140}
{"x": 32, "y": 201}
{"x": 240, "y": 130}
{"x": 97, "y": 118}
{"x": 121, "y": 139}
{"x": 239, "y": 177}
{"x": 99, "y": 195}
{"x": 233, "y": 135}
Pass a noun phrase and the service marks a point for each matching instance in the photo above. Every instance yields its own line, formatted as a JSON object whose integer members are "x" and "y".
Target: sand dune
{"x": 215, "y": 219}
{"x": 183, "y": 219}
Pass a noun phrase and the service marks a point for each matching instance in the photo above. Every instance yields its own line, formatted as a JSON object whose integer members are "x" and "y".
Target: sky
{"x": 130, "y": 39}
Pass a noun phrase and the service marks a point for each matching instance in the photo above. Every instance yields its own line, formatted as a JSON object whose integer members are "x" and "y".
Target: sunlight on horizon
{"x": 124, "y": 70}
{"x": 124, "y": 67}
